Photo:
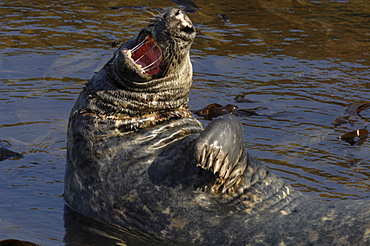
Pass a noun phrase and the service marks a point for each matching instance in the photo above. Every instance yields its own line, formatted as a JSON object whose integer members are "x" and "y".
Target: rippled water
{"x": 303, "y": 62}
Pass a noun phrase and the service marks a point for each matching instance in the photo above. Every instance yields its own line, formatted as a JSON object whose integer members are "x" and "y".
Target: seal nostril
{"x": 187, "y": 29}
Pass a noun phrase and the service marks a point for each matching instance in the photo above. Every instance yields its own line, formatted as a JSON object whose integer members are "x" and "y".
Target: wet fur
{"x": 137, "y": 158}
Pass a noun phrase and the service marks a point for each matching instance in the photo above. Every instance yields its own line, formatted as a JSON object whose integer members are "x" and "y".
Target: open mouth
{"x": 147, "y": 56}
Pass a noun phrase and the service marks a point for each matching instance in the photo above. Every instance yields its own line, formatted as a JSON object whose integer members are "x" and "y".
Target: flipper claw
{"x": 219, "y": 149}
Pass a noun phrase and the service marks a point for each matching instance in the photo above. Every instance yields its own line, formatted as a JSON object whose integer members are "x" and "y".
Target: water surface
{"x": 302, "y": 62}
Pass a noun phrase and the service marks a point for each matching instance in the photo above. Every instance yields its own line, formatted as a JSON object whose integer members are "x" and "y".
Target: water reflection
{"x": 302, "y": 61}
{"x": 81, "y": 230}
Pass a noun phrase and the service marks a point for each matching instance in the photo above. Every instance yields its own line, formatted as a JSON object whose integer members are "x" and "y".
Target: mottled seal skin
{"x": 137, "y": 158}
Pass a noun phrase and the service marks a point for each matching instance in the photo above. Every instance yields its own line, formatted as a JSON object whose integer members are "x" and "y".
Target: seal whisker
{"x": 195, "y": 61}
{"x": 138, "y": 45}
{"x": 168, "y": 57}
{"x": 151, "y": 48}
{"x": 151, "y": 64}
{"x": 153, "y": 15}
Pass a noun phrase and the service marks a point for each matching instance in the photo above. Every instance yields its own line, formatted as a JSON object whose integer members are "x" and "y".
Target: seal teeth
{"x": 129, "y": 53}
{"x": 147, "y": 56}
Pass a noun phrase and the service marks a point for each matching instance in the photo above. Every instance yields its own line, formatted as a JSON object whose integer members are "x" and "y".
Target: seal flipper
{"x": 219, "y": 149}
{"x": 6, "y": 153}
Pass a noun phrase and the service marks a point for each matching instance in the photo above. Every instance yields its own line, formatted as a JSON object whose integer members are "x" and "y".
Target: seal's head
{"x": 158, "y": 51}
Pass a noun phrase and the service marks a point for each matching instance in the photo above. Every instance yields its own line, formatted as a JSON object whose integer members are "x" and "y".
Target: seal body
{"x": 6, "y": 153}
{"x": 137, "y": 158}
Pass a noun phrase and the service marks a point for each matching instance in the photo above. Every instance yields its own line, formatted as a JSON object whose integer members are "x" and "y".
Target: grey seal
{"x": 7, "y": 153}
{"x": 137, "y": 158}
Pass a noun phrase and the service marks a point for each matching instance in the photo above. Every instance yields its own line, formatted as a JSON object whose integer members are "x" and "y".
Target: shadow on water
{"x": 298, "y": 65}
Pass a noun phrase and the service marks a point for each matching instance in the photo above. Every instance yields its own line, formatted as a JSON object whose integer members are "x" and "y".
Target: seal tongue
{"x": 147, "y": 56}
